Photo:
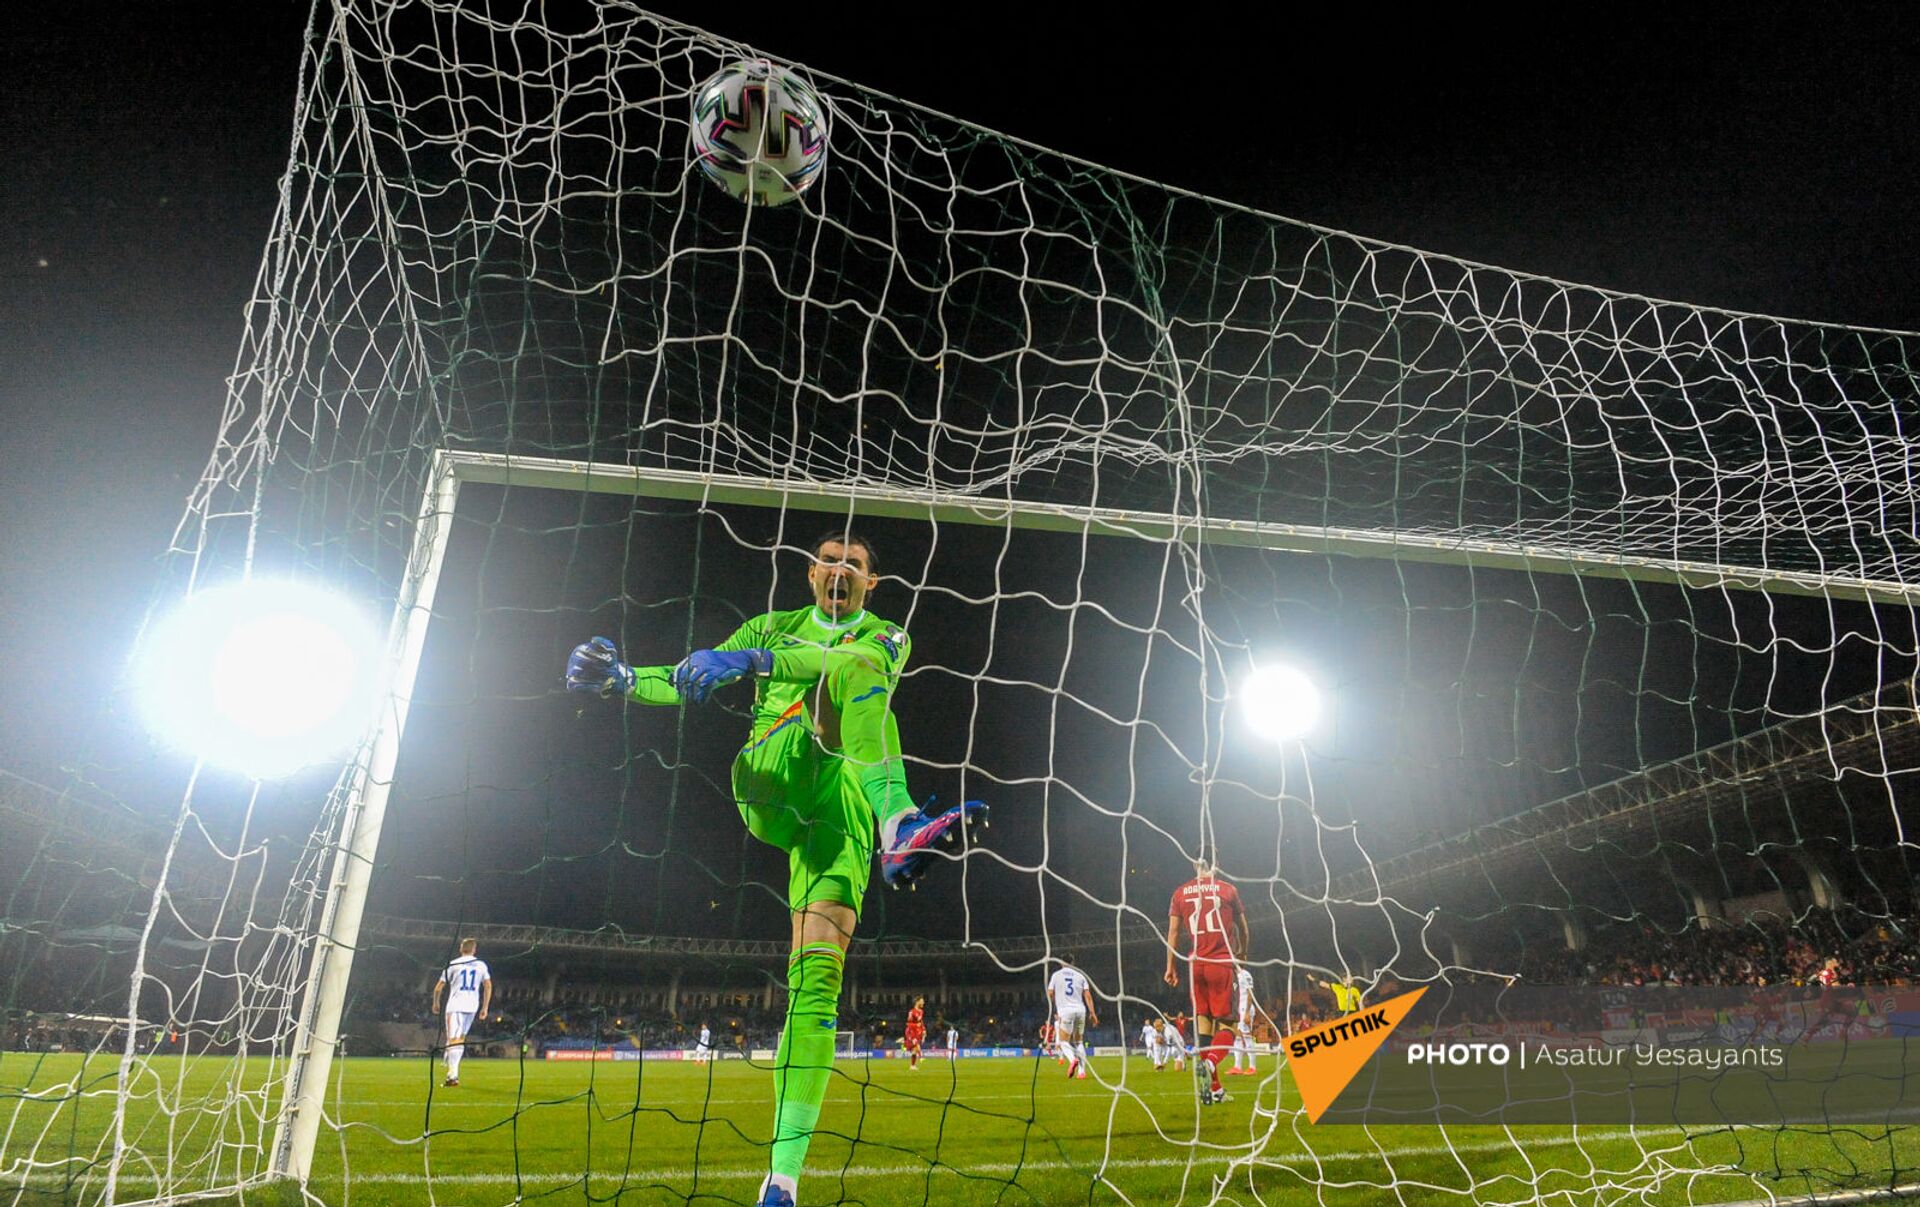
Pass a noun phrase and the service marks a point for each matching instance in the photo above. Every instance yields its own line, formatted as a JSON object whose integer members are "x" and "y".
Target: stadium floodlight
{"x": 1280, "y": 702}
{"x": 260, "y": 677}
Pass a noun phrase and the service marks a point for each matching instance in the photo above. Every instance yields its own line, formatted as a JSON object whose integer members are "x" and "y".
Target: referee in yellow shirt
{"x": 1346, "y": 999}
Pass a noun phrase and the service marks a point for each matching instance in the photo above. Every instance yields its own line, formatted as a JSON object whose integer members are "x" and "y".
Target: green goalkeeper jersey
{"x": 799, "y": 640}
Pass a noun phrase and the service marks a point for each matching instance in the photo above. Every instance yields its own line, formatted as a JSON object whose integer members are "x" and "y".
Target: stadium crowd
{"x": 1759, "y": 952}
{"x": 1766, "y": 951}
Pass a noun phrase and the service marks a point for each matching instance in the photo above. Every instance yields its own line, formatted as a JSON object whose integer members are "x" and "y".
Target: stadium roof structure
{"x": 74, "y": 813}
{"x": 1874, "y": 733}
{"x": 79, "y": 829}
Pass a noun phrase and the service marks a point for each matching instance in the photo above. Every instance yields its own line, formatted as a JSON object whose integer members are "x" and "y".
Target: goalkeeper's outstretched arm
{"x": 595, "y": 668}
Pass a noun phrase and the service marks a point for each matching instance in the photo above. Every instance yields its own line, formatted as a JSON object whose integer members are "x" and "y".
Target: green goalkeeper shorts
{"x": 806, "y": 800}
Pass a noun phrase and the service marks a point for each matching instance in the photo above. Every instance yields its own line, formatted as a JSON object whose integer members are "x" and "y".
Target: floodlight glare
{"x": 1280, "y": 703}
{"x": 262, "y": 678}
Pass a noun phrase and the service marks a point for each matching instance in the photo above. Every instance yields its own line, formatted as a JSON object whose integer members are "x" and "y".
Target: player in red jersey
{"x": 916, "y": 1033}
{"x": 1833, "y": 1005}
{"x": 1046, "y": 1041}
{"x": 1209, "y": 910}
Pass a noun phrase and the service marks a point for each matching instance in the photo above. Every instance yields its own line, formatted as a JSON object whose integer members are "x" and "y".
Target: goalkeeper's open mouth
{"x": 838, "y": 597}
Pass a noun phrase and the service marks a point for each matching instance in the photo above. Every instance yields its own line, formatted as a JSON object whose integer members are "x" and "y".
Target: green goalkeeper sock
{"x": 805, "y": 1059}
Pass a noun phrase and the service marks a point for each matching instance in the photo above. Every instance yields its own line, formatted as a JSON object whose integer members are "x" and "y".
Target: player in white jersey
{"x": 704, "y": 1049}
{"x": 1071, "y": 999}
{"x": 469, "y": 989}
{"x": 1150, "y": 1042}
{"x": 1243, "y": 1030}
{"x": 953, "y": 1041}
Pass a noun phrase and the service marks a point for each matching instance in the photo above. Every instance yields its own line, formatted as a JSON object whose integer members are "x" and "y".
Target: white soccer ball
{"x": 760, "y": 132}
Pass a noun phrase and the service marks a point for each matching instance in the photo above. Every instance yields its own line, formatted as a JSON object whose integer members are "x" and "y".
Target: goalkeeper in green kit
{"x": 820, "y": 777}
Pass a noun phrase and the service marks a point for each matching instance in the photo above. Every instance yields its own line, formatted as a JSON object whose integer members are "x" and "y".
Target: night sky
{"x": 1748, "y": 157}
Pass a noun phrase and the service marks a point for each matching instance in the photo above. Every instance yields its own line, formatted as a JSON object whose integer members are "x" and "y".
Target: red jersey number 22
{"x": 1204, "y": 916}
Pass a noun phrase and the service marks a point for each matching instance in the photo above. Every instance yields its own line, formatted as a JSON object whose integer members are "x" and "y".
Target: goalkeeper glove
{"x": 703, "y": 670}
{"x": 595, "y": 666}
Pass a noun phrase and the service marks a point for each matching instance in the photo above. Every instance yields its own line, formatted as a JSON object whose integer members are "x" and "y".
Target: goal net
{"x": 1606, "y": 599}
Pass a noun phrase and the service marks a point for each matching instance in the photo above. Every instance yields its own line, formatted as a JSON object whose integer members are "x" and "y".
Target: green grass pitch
{"x": 974, "y": 1131}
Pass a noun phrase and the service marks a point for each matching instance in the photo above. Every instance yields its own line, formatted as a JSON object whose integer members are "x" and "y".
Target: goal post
{"x": 366, "y": 786}
{"x": 949, "y": 506}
